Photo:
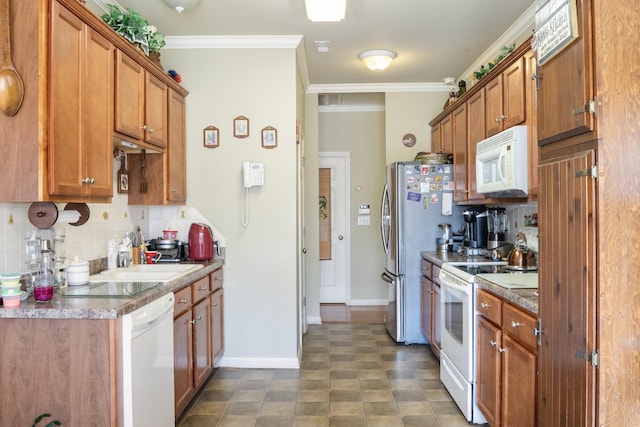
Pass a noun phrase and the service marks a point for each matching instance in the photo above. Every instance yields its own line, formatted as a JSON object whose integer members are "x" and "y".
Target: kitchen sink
{"x": 145, "y": 273}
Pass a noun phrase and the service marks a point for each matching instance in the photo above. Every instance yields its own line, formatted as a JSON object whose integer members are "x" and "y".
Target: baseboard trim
{"x": 314, "y": 320}
{"x": 368, "y": 302}
{"x": 259, "y": 362}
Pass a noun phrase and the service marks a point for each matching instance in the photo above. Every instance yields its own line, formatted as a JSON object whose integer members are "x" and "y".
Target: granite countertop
{"x": 524, "y": 298}
{"x": 102, "y": 308}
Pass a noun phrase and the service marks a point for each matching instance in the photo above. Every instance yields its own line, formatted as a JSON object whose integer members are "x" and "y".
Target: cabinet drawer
{"x": 183, "y": 301}
{"x": 216, "y": 280}
{"x": 425, "y": 267}
{"x": 520, "y": 326}
{"x": 489, "y": 306}
{"x": 200, "y": 289}
{"x": 435, "y": 273}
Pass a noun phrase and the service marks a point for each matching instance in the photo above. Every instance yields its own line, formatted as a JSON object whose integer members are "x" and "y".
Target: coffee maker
{"x": 496, "y": 227}
{"x": 476, "y": 223}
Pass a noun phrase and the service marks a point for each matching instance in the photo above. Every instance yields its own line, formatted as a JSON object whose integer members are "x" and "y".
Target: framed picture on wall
{"x": 241, "y": 127}
{"x": 269, "y": 137}
{"x": 211, "y": 137}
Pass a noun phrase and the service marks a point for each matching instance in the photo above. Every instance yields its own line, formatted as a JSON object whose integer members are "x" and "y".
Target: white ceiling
{"x": 433, "y": 38}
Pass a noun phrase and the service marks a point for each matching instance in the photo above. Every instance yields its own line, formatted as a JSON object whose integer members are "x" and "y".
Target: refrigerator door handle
{"x": 387, "y": 278}
{"x": 385, "y": 219}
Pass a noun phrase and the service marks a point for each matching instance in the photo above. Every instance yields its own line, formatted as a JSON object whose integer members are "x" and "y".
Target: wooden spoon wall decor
{"x": 11, "y": 85}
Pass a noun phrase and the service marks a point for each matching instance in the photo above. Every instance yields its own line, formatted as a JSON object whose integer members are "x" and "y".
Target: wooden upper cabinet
{"x": 532, "y": 122}
{"x": 460, "y": 178}
{"x": 566, "y": 85}
{"x": 155, "y": 111}
{"x": 176, "y": 156}
{"x": 129, "y": 108}
{"x": 81, "y": 121}
{"x": 436, "y": 145}
{"x": 446, "y": 135}
{"x": 476, "y": 132}
{"x": 141, "y": 103}
{"x": 505, "y": 98}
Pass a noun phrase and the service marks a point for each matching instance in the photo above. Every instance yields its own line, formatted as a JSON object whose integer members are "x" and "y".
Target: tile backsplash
{"x": 89, "y": 241}
{"x": 516, "y": 220}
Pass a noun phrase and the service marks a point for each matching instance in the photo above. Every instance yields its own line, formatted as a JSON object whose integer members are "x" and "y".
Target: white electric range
{"x": 459, "y": 325}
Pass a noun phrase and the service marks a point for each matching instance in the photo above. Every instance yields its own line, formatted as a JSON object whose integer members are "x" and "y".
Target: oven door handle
{"x": 444, "y": 283}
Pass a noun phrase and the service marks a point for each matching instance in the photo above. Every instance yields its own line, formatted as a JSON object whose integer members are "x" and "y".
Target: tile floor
{"x": 352, "y": 375}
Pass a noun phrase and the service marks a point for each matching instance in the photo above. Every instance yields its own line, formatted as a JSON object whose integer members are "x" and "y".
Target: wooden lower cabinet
{"x": 198, "y": 336}
{"x": 217, "y": 321}
{"x": 506, "y": 363}
{"x": 430, "y": 311}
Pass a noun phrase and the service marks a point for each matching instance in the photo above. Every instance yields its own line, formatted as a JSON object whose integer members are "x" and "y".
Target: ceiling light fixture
{"x": 325, "y": 10}
{"x": 377, "y": 60}
{"x": 181, "y": 5}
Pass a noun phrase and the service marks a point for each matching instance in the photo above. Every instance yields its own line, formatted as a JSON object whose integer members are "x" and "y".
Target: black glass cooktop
{"x": 480, "y": 268}
{"x": 108, "y": 289}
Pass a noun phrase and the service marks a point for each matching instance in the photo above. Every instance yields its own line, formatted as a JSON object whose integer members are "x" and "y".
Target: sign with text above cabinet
{"x": 556, "y": 27}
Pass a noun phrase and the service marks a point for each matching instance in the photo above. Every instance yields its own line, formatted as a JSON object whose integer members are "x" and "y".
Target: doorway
{"x": 335, "y": 270}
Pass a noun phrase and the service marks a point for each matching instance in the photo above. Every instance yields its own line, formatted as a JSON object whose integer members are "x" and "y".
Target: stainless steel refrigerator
{"x": 416, "y": 198}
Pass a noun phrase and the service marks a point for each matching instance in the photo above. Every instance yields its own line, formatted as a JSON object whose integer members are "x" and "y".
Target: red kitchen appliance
{"x": 200, "y": 242}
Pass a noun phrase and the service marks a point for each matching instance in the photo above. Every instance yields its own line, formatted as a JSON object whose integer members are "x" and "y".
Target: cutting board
{"x": 512, "y": 280}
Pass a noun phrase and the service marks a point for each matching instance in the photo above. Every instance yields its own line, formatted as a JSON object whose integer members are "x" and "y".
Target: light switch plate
{"x": 364, "y": 220}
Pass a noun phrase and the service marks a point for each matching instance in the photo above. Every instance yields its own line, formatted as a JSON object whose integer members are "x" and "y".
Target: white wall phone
{"x": 252, "y": 176}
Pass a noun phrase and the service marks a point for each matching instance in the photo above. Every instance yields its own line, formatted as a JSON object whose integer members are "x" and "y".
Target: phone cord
{"x": 245, "y": 207}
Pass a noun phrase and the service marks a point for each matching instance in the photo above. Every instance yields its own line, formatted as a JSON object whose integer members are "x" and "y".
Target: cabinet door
{"x": 488, "y": 371}
{"x": 493, "y": 93}
{"x": 98, "y": 115}
{"x": 532, "y": 121}
{"x": 513, "y": 96}
{"x": 176, "y": 152}
{"x": 446, "y": 135}
{"x": 459, "y": 123}
{"x": 155, "y": 111}
{"x": 518, "y": 384}
{"x": 425, "y": 300}
{"x": 80, "y": 159}
{"x": 568, "y": 290}
{"x": 217, "y": 318}
{"x": 506, "y": 99}
{"x": 436, "y": 324}
{"x": 66, "y": 150}
{"x": 202, "y": 341}
{"x": 436, "y": 144}
{"x": 476, "y": 132}
{"x": 129, "y": 100}
{"x": 183, "y": 360}
{"x": 567, "y": 85}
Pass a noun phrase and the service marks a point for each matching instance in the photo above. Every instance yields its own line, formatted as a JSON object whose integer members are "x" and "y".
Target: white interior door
{"x": 335, "y": 273}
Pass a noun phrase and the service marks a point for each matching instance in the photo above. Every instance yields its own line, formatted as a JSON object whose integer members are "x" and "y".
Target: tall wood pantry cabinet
{"x": 588, "y": 130}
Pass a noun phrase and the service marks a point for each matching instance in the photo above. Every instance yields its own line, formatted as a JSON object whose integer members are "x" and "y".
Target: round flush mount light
{"x": 377, "y": 60}
{"x": 181, "y": 5}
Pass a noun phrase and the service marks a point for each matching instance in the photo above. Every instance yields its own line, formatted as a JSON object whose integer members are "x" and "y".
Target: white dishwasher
{"x": 148, "y": 394}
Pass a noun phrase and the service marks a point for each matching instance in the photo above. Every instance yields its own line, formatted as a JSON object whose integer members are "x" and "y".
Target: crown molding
{"x": 233, "y": 42}
{"x": 351, "y": 108}
{"x": 379, "y": 87}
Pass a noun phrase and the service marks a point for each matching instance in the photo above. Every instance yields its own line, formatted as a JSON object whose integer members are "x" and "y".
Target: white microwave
{"x": 502, "y": 164}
